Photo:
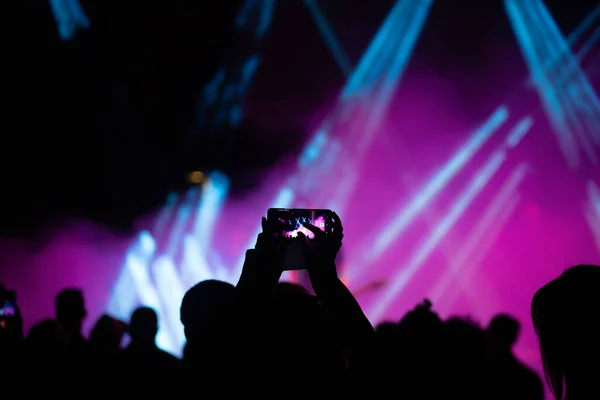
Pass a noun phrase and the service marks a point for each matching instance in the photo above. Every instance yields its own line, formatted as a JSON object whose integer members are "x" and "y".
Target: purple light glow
{"x": 507, "y": 242}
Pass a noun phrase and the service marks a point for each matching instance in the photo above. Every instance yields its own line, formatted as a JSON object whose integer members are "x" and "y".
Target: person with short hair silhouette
{"x": 47, "y": 346}
{"x": 507, "y": 376}
{"x": 565, "y": 315}
{"x": 70, "y": 314}
{"x": 207, "y": 317}
{"x": 144, "y": 360}
{"x": 324, "y": 341}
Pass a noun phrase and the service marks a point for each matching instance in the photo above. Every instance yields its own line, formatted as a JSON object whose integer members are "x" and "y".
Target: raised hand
{"x": 270, "y": 247}
{"x": 263, "y": 264}
{"x": 320, "y": 252}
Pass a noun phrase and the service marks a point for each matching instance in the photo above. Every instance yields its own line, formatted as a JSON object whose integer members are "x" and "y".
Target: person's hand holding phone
{"x": 320, "y": 251}
{"x": 355, "y": 330}
{"x": 263, "y": 264}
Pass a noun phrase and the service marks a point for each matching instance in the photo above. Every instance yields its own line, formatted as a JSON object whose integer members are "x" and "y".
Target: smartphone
{"x": 292, "y": 222}
{"x": 8, "y": 309}
{"x": 293, "y": 219}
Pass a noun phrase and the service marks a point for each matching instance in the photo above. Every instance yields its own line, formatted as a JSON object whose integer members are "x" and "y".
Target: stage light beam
{"x": 358, "y": 78}
{"x": 518, "y": 132}
{"x": 214, "y": 192}
{"x": 472, "y": 251}
{"x": 436, "y": 184}
{"x": 171, "y": 292}
{"x": 579, "y": 94}
{"x": 592, "y": 212}
{"x": 568, "y": 98}
{"x": 137, "y": 261}
{"x": 70, "y": 17}
{"x": 543, "y": 83}
{"x": 181, "y": 221}
{"x": 401, "y": 276}
{"x": 395, "y": 72}
{"x": 329, "y": 37}
{"x": 351, "y": 126}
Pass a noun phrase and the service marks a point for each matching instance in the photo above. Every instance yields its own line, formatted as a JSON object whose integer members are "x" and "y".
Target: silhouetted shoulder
{"x": 167, "y": 358}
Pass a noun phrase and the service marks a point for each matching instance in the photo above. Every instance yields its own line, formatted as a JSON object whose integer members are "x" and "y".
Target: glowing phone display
{"x": 298, "y": 223}
{"x": 293, "y": 220}
{"x": 8, "y": 309}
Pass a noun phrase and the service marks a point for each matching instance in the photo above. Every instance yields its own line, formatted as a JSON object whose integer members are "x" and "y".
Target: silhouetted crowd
{"x": 266, "y": 338}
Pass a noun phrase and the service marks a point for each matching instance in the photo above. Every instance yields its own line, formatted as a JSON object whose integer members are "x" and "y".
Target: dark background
{"x": 102, "y": 127}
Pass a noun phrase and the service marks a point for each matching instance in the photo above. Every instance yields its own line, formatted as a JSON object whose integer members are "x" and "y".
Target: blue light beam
{"x": 579, "y": 97}
{"x": 181, "y": 221}
{"x": 570, "y": 102}
{"x": 329, "y": 37}
{"x": 394, "y": 73}
{"x": 214, "y": 192}
{"x": 171, "y": 293}
{"x": 542, "y": 81}
{"x": 344, "y": 137}
{"x": 518, "y": 132}
{"x": 137, "y": 261}
{"x": 69, "y": 18}
{"x": 359, "y": 77}
{"x": 593, "y": 211}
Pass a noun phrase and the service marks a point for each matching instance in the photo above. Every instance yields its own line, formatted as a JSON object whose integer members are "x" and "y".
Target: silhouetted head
{"x": 465, "y": 339}
{"x": 566, "y": 317}
{"x": 464, "y": 357}
{"x": 421, "y": 322}
{"x": 70, "y": 308}
{"x": 47, "y": 338}
{"x": 143, "y": 326}
{"x": 205, "y": 307}
{"x": 503, "y": 331}
{"x": 108, "y": 333}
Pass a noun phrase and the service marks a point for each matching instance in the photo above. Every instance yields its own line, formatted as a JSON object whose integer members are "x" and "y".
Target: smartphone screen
{"x": 293, "y": 220}
{"x": 296, "y": 225}
{"x": 8, "y": 309}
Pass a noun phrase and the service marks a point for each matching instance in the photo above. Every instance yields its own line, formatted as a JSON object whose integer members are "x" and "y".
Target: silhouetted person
{"x": 207, "y": 317}
{"x": 314, "y": 344}
{"x": 70, "y": 313}
{"x": 145, "y": 361}
{"x": 105, "y": 348}
{"x": 408, "y": 354}
{"x": 298, "y": 342}
{"x": 463, "y": 359}
{"x": 507, "y": 377}
{"x": 47, "y": 338}
{"x": 566, "y": 317}
{"x": 47, "y": 344}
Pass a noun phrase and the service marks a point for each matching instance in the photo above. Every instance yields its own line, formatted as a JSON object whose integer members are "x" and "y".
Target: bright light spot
{"x": 196, "y": 177}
